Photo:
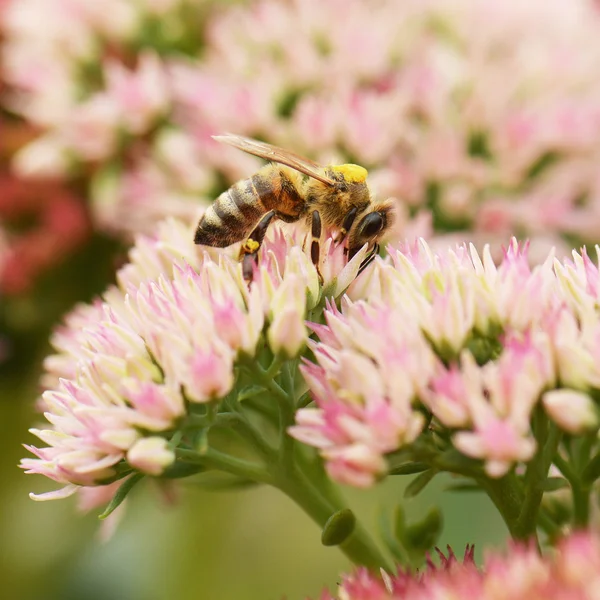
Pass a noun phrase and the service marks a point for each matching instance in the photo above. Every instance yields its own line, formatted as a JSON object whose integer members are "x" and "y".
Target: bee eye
{"x": 371, "y": 225}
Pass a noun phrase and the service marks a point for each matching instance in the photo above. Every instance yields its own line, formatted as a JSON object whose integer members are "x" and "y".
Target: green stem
{"x": 214, "y": 459}
{"x": 565, "y": 468}
{"x": 286, "y": 419}
{"x": 285, "y": 402}
{"x": 274, "y": 368}
{"x": 317, "y": 503}
{"x": 580, "y": 492}
{"x": 240, "y": 423}
{"x": 507, "y": 496}
{"x": 320, "y": 504}
{"x": 266, "y": 378}
{"x": 548, "y": 526}
{"x": 585, "y": 449}
{"x": 581, "y": 507}
{"x": 288, "y": 470}
{"x": 547, "y": 436}
{"x": 590, "y": 472}
{"x": 304, "y": 400}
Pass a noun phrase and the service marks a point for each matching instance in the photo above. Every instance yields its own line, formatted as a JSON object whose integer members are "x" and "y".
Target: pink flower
{"x": 364, "y": 388}
{"x": 475, "y": 345}
{"x": 93, "y": 127}
{"x": 130, "y": 368}
{"x": 141, "y": 96}
{"x": 519, "y": 574}
{"x": 150, "y": 455}
{"x": 210, "y": 373}
{"x": 287, "y": 333}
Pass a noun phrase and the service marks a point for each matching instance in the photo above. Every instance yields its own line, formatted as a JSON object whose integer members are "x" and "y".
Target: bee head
{"x": 370, "y": 227}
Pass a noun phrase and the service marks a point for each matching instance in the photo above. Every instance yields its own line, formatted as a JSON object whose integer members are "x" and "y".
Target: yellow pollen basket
{"x": 251, "y": 246}
{"x": 351, "y": 173}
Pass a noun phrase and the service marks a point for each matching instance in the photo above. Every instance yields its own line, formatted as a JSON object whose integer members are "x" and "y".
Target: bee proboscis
{"x": 292, "y": 188}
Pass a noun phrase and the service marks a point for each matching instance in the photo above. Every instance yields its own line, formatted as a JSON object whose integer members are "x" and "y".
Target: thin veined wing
{"x": 276, "y": 154}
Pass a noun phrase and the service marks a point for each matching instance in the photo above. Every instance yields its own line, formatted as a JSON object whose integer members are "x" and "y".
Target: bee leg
{"x": 250, "y": 248}
{"x": 369, "y": 259}
{"x": 315, "y": 246}
{"x": 346, "y": 226}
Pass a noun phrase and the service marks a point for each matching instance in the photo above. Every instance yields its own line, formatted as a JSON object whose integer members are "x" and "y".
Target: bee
{"x": 292, "y": 188}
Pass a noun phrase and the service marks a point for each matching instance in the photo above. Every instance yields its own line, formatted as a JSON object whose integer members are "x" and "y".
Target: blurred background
{"x": 481, "y": 118}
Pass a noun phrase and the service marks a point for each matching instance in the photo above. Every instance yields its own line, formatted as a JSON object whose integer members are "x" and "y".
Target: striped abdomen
{"x": 233, "y": 215}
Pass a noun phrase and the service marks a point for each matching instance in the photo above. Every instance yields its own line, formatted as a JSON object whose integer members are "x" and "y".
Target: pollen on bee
{"x": 351, "y": 173}
{"x": 251, "y": 246}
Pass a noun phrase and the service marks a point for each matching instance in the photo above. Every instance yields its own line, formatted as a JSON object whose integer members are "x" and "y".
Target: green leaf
{"x": 389, "y": 539}
{"x": 454, "y": 461}
{"x": 418, "y": 484}
{"x": 399, "y": 457}
{"x": 339, "y": 528}
{"x": 409, "y": 468}
{"x": 463, "y": 487}
{"x": 249, "y": 392}
{"x": 121, "y": 494}
{"x": 555, "y": 483}
{"x": 181, "y": 469}
{"x": 423, "y": 535}
{"x": 423, "y": 448}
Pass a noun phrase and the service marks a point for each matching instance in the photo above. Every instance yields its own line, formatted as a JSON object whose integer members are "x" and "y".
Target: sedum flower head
{"x": 520, "y": 574}
{"x": 449, "y": 343}
{"x": 130, "y": 368}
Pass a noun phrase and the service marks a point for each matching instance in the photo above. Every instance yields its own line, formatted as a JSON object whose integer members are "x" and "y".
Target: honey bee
{"x": 292, "y": 188}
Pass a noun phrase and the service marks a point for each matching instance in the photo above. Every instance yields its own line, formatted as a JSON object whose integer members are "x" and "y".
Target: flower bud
{"x": 210, "y": 374}
{"x": 571, "y": 410}
{"x": 151, "y": 455}
{"x": 287, "y": 332}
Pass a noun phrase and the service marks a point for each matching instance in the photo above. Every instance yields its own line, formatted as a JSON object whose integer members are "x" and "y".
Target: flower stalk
{"x": 283, "y": 467}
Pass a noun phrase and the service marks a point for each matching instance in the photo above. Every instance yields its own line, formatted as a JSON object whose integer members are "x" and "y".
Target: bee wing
{"x": 276, "y": 154}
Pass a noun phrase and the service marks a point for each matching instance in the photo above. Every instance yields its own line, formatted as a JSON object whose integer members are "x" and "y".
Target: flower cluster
{"x": 57, "y": 225}
{"x": 132, "y": 368}
{"x": 41, "y": 222}
{"x": 452, "y": 345}
{"x": 572, "y": 572}
{"x": 450, "y": 117}
{"x": 92, "y": 79}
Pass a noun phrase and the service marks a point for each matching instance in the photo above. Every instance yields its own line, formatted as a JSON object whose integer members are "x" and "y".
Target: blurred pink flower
{"x": 520, "y": 574}
{"x": 57, "y": 225}
{"x": 451, "y": 119}
{"x": 141, "y": 96}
